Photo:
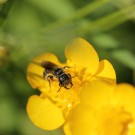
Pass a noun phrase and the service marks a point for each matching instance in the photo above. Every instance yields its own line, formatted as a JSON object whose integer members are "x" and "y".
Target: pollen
{"x": 67, "y": 99}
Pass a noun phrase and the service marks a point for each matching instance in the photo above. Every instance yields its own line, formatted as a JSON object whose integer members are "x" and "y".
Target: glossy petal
{"x": 125, "y": 96}
{"x": 132, "y": 128}
{"x": 35, "y": 71}
{"x": 81, "y": 121}
{"x": 104, "y": 109}
{"x": 43, "y": 113}
{"x": 80, "y": 53}
{"x": 95, "y": 91}
{"x": 46, "y": 57}
{"x": 66, "y": 128}
{"x": 35, "y": 77}
{"x": 106, "y": 70}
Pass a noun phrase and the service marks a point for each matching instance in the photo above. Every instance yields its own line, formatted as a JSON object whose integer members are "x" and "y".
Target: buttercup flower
{"x": 104, "y": 109}
{"x": 51, "y": 109}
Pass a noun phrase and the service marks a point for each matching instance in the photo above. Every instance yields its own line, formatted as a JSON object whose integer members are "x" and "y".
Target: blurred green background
{"x": 31, "y": 27}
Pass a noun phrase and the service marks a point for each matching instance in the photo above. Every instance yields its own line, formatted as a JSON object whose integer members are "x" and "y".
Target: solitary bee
{"x": 54, "y": 71}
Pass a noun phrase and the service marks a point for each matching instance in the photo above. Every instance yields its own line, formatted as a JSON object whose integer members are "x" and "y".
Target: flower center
{"x": 66, "y": 99}
{"x": 115, "y": 121}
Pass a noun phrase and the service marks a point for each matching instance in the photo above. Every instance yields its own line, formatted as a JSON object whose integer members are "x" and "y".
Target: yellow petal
{"x": 132, "y": 128}
{"x": 112, "y": 117}
{"x": 95, "y": 91}
{"x": 66, "y": 129}
{"x": 43, "y": 113}
{"x": 106, "y": 71}
{"x": 35, "y": 71}
{"x": 80, "y": 53}
{"x": 81, "y": 121}
{"x": 46, "y": 57}
{"x": 125, "y": 96}
{"x": 35, "y": 77}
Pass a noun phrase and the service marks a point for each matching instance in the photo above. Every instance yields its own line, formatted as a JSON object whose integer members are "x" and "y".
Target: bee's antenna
{"x": 48, "y": 78}
{"x": 66, "y": 67}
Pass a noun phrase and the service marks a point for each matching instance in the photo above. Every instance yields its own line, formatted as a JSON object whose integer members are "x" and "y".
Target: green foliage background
{"x": 31, "y": 27}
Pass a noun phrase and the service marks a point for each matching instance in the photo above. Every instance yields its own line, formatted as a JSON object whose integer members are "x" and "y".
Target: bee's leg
{"x": 73, "y": 76}
{"x": 48, "y": 78}
{"x": 71, "y": 84}
{"x": 69, "y": 74}
{"x": 60, "y": 87}
{"x": 49, "y": 83}
{"x": 44, "y": 74}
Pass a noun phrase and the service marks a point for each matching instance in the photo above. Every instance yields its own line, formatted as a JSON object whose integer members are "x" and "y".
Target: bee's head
{"x": 65, "y": 81}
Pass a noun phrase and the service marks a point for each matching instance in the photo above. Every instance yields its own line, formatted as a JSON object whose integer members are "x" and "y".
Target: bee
{"x": 54, "y": 71}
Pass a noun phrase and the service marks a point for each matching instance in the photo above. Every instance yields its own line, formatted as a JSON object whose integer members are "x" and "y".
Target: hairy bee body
{"x": 52, "y": 70}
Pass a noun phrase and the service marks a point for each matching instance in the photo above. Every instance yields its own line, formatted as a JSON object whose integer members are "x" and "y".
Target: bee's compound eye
{"x": 61, "y": 79}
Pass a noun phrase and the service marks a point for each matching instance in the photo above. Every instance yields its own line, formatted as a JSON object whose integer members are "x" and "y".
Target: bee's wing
{"x": 37, "y": 63}
{"x": 35, "y": 76}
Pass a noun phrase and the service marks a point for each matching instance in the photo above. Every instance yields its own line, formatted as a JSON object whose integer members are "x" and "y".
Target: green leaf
{"x": 106, "y": 41}
{"x": 125, "y": 57}
{"x": 57, "y": 8}
{"x": 110, "y": 21}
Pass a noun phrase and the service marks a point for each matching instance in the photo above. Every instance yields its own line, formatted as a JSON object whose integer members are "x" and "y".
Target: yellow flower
{"x": 51, "y": 108}
{"x": 104, "y": 109}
